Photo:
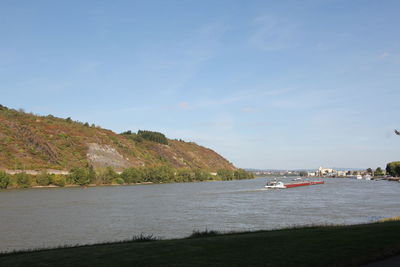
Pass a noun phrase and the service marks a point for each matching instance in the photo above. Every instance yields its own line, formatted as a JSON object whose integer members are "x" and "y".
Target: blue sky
{"x": 267, "y": 84}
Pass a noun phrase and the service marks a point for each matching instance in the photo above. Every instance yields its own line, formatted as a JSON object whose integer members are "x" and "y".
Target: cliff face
{"x": 45, "y": 142}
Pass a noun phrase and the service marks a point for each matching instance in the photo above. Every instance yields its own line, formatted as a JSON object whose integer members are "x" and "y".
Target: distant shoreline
{"x": 73, "y": 186}
{"x": 105, "y": 185}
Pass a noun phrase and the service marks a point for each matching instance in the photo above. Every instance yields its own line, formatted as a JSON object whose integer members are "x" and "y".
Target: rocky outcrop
{"x": 100, "y": 156}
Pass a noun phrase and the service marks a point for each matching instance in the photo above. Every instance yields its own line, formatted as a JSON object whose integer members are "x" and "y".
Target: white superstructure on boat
{"x": 275, "y": 185}
{"x": 367, "y": 177}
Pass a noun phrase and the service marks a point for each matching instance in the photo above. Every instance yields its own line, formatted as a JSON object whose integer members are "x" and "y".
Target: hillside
{"x": 34, "y": 142}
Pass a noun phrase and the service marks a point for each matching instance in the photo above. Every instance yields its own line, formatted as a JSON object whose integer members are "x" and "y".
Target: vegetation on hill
{"x": 153, "y": 136}
{"x": 32, "y": 142}
{"x": 147, "y": 135}
{"x": 96, "y": 156}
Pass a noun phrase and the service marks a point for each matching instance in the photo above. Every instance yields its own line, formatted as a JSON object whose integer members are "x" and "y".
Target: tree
{"x": 397, "y": 169}
{"x": 127, "y": 132}
{"x": 393, "y": 168}
{"x": 378, "y": 172}
{"x": 109, "y": 175}
{"x": 133, "y": 175}
{"x": 184, "y": 175}
{"x": 91, "y": 174}
{"x": 59, "y": 180}
{"x": 43, "y": 179}
{"x": 118, "y": 180}
{"x": 23, "y": 179}
{"x": 225, "y": 174}
{"x": 303, "y": 173}
{"x": 161, "y": 174}
{"x": 242, "y": 174}
{"x": 79, "y": 176}
{"x": 369, "y": 170}
{"x": 201, "y": 175}
{"x": 4, "y": 180}
{"x": 153, "y": 136}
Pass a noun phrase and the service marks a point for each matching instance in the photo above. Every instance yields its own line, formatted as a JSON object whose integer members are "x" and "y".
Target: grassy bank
{"x": 309, "y": 246}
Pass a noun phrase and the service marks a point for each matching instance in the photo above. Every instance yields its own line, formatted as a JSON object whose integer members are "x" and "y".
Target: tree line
{"x": 86, "y": 176}
{"x": 378, "y": 172}
{"x": 147, "y": 135}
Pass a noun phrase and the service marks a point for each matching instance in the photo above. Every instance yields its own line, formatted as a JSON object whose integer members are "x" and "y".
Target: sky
{"x": 266, "y": 84}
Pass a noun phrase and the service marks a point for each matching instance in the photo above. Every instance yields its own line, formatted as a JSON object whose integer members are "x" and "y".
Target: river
{"x": 37, "y": 218}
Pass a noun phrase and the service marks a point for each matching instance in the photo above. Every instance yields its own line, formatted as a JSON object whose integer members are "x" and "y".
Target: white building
{"x": 325, "y": 171}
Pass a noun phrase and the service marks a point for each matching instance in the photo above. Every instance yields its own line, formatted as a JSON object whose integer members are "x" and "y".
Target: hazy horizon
{"x": 266, "y": 84}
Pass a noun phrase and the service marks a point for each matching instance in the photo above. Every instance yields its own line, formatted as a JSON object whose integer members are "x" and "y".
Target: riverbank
{"x": 86, "y": 177}
{"x": 76, "y": 186}
{"x": 306, "y": 246}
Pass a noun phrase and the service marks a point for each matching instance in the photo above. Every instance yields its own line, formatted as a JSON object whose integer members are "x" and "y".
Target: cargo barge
{"x": 282, "y": 185}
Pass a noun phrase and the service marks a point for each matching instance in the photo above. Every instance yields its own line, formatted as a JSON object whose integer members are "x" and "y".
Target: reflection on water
{"x": 34, "y": 218}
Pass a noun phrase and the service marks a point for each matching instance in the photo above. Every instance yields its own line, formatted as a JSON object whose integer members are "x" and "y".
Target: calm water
{"x": 35, "y": 218}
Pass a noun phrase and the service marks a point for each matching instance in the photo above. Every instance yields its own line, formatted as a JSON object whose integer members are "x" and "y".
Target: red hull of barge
{"x": 303, "y": 184}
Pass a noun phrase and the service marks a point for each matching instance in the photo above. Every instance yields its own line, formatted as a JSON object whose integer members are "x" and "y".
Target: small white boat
{"x": 367, "y": 177}
{"x": 275, "y": 185}
{"x": 297, "y": 179}
{"x": 359, "y": 177}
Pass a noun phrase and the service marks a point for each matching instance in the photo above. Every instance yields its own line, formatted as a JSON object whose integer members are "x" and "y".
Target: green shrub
{"x": 118, "y": 181}
{"x": 201, "y": 175}
{"x": 205, "y": 233}
{"x": 107, "y": 175}
{"x": 184, "y": 175}
{"x": 59, "y": 180}
{"x": 225, "y": 174}
{"x": 23, "y": 180}
{"x": 160, "y": 174}
{"x": 43, "y": 179}
{"x": 144, "y": 238}
{"x": 242, "y": 174}
{"x": 153, "y": 136}
{"x": 79, "y": 176}
{"x": 132, "y": 175}
{"x": 4, "y": 180}
{"x": 378, "y": 172}
{"x": 91, "y": 175}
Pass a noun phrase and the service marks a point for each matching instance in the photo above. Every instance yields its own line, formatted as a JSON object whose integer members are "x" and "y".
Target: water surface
{"x": 33, "y": 218}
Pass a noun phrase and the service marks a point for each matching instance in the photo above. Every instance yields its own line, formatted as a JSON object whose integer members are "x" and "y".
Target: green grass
{"x": 308, "y": 246}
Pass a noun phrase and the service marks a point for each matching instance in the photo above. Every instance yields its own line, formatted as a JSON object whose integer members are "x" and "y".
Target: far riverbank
{"x": 88, "y": 177}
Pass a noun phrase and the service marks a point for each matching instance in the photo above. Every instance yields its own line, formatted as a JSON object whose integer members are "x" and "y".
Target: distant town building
{"x": 325, "y": 171}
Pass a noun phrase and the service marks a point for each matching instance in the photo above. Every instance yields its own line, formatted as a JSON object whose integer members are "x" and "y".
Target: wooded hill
{"x": 32, "y": 142}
